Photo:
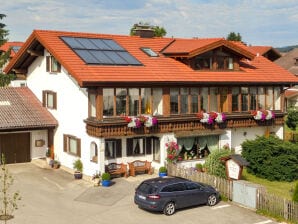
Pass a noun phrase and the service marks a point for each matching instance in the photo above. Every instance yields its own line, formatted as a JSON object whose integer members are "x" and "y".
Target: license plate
{"x": 142, "y": 197}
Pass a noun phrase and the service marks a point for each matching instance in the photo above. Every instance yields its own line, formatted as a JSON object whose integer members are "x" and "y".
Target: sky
{"x": 259, "y": 22}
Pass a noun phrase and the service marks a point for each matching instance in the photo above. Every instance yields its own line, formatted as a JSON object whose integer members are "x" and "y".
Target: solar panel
{"x": 100, "y": 51}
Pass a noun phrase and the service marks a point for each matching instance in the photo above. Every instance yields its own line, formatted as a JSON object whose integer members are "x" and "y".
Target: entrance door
{"x": 15, "y": 147}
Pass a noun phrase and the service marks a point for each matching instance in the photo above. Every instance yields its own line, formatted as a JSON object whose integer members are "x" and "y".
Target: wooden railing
{"x": 112, "y": 127}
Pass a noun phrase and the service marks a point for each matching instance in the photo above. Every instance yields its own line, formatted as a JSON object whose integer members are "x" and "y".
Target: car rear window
{"x": 147, "y": 188}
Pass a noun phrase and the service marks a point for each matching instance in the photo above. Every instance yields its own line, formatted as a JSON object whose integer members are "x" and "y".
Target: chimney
{"x": 144, "y": 31}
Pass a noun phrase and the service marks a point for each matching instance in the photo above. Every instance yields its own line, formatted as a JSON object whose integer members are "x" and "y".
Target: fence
{"x": 268, "y": 203}
{"x": 225, "y": 187}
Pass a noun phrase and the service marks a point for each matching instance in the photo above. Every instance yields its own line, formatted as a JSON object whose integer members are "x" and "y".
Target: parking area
{"x": 54, "y": 196}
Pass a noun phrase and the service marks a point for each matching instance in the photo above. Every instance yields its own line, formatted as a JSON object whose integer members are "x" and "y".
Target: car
{"x": 170, "y": 193}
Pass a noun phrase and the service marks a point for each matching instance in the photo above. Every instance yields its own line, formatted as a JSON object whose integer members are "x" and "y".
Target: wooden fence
{"x": 225, "y": 187}
{"x": 271, "y": 204}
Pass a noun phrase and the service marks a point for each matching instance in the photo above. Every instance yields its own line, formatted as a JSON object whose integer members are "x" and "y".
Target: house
{"x": 266, "y": 51}
{"x": 26, "y": 127}
{"x": 120, "y": 98}
{"x": 13, "y": 47}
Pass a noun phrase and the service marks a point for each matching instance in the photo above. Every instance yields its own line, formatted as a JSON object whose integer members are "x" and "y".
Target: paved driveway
{"x": 53, "y": 196}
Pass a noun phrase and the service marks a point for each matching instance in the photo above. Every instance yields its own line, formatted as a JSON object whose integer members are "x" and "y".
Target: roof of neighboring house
{"x": 162, "y": 69}
{"x": 266, "y": 51}
{"x": 15, "y": 46}
{"x": 20, "y": 109}
{"x": 288, "y": 61}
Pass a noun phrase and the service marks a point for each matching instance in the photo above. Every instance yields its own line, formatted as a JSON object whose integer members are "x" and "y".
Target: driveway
{"x": 54, "y": 196}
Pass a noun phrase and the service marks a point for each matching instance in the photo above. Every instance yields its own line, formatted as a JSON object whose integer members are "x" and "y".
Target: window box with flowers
{"x": 143, "y": 120}
{"x": 212, "y": 117}
{"x": 262, "y": 115}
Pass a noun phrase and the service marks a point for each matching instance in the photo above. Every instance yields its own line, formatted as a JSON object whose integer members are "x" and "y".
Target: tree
{"x": 234, "y": 37}
{"x": 214, "y": 165}
{"x": 292, "y": 119}
{"x": 9, "y": 200}
{"x": 158, "y": 31}
{"x": 3, "y": 32}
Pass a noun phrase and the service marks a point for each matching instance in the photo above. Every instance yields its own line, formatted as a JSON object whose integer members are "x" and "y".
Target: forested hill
{"x": 286, "y": 49}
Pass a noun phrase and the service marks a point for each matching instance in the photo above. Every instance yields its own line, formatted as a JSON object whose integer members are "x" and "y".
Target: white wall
{"x": 39, "y": 152}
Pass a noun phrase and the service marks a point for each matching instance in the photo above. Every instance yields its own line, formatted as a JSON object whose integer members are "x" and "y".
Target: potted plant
{"x": 54, "y": 164}
{"x": 162, "y": 171}
{"x": 96, "y": 179}
{"x": 106, "y": 179}
{"x": 199, "y": 167}
{"x": 78, "y": 167}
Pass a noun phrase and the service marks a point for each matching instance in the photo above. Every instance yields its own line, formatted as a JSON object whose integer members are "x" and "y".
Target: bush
{"x": 295, "y": 195}
{"x": 214, "y": 165}
{"x": 105, "y": 176}
{"x": 271, "y": 158}
{"x": 162, "y": 169}
{"x": 78, "y": 165}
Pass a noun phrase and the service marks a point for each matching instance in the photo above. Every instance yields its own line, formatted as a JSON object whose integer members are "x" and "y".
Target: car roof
{"x": 160, "y": 182}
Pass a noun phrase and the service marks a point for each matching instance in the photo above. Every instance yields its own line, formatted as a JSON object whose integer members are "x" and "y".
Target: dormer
{"x": 214, "y": 54}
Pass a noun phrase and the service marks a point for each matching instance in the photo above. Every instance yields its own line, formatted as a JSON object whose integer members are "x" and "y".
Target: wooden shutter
{"x": 58, "y": 67}
{"x": 44, "y": 98}
{"x": 79, "y": 147}
{"x": 129, "y": 147}
{"x": 54, "y": 100}
{"x": 65, "y": 143}
{"x": 118, "y": 148}
{"x": 48, "y": 62}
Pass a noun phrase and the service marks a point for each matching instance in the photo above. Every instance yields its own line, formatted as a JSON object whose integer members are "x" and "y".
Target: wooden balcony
{"x": 187, "y": 124}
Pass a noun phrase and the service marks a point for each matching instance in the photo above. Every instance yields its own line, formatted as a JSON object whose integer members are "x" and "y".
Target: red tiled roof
{"x": 5, "y": 47}
{"x": 289, "y": 93}
{"x": 260, "y": 49}
{"x": 160, "y": 69}
{"x": 20, "y": 109}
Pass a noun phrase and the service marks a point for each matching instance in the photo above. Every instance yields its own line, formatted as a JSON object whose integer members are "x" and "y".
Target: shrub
{"x": 105, "y": 176}
{"x": 162, "y": 169}
{"x": 271, "y": 158}
{"x": 214, "y": 165}
{"x": 78, "y": 165}
{"x": 199, "y": 166}
{"x": 295, "y": 195}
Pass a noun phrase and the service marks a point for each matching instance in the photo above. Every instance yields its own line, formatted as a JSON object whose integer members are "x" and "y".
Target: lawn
{"x": 282, "y": 189}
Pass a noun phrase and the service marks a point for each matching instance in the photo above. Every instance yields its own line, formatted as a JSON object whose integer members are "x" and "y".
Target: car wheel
{"x": 169, "y": 209}
{"x": 212, "y": 200}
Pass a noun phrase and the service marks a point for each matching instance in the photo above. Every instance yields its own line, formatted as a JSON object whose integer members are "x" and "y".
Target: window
{"x": 49, "y": 99}
{"x": 204, "y": 61}
{"x": 52, "y": 64}
{"x": 184, "y": 100}
{"x": 269, "y": 99}
{"x": 149, "y": 52}
{"x": 156, "y": 149}
{"x": 253, "y": 98}
{"x": 146, "y": 101}
{"x": 139, "y": 146}
{"x": 157, "y": 101}
{"x": 213, "y": 98}
{"x": 133, "y": 101}
{"x": 92, "y": 105}
{"x": 113, "y": 148}
{"x": 277, "y": 98}
{"x": 261, "y": 98}
{"x": 72, "y": 145}
{"x": 194, "y": 106}
{"x": 121, "y": 101}
{"x": 108, "y": 102}
{"x": 204, "y": 99}
{"x": 93, "y": 152}
{"x": 244, "y": 98}
{"x": 174, "y": 92}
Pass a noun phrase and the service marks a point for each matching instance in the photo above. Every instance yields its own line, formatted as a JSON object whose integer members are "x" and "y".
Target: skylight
{"x": 100, "y": 51}
{"x": 149, "y": 52}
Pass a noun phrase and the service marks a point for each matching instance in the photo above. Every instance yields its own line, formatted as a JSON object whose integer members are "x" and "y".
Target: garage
{"x": 15, "y": 147}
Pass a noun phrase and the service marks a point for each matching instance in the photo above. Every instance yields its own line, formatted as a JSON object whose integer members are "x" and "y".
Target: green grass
{"x": 282, "y": 189}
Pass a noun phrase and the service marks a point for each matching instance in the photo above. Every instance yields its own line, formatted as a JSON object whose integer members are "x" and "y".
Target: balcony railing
{"x": 113, "y": 127}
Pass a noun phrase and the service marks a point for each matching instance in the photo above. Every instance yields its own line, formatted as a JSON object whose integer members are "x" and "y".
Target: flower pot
{"x": 162, "y": 174}
{"x": 78, "y": 175}
{"x": 105, "y": 183}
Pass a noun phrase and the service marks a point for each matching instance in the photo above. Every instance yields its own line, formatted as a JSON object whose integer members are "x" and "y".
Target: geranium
{"x": 211, "y": 117}
{"x": 137, "y": 122}
{"x": 172, "y": 152}
{"x": 263, "y": 114}
{"x": 150, "y": 121}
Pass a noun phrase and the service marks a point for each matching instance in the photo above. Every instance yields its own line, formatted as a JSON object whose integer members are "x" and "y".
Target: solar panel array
{"x": 100, "y": 51}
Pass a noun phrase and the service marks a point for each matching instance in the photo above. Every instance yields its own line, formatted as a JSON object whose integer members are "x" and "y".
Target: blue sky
{"x": 260, "y": 22}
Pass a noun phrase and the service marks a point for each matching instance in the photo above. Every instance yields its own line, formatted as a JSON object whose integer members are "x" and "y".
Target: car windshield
{"x": 147, "y": 188}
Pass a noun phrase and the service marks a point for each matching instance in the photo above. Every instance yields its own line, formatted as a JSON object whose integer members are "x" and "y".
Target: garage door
{"x": 16, "y": 147}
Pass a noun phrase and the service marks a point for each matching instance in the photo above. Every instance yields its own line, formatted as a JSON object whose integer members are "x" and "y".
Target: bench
{"x": 139, "y": 166}
{"x": 116, "y": 169}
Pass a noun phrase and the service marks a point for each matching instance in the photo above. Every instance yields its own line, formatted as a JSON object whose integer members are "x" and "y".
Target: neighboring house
{"x": 266, "y": 51}
{"x": 26, "y": 127}
{"x": 289, "y": 61}
{"x": 13, "y": 47}
{"x": 96, "y": 85}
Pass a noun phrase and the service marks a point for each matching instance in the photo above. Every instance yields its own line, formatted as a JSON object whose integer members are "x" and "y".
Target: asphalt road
{"x": 54, "y": 196}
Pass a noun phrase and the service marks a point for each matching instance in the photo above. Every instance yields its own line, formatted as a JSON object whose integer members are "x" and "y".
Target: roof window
{"x": 149, "y": 52}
